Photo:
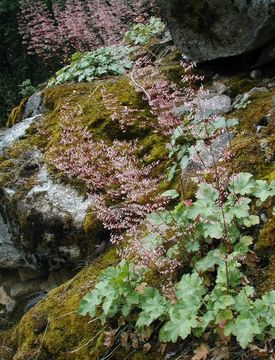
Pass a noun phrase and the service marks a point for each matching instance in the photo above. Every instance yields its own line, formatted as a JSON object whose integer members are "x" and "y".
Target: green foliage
{"x": 186, "y": 145}
{"x": 179, "y": 326}
{"x": 140, "y": 34}
{"x": 114, "y": 293}
{"x": 212, "y": 236}
{"x": 153, "y": 305}
{"x": 26, "y": 88}
{"x": 198, "y": 307}
{"x": 90, "y": 65}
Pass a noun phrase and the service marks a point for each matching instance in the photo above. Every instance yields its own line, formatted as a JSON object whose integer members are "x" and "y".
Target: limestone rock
{"x": 34, "y": 106}
{"x": 216, "y": 105}
{"x": 4, "y": 297}
{"x": 9, "y": 136}
{"x": 256, "y": 74}
{"x": 24, "y": 288}
{"x": 206, "y": 30}
{"x": 11, "y": 254}
{"x": 204, "y": 103}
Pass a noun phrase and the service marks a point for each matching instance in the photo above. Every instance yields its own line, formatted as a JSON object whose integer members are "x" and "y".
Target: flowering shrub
{"x": 79, "y": 26}
{"x": 121, "y": 189}
{"x": 101, "y": 62}
{"x": 200, "y": 249}
{"x": 38, "y": 30}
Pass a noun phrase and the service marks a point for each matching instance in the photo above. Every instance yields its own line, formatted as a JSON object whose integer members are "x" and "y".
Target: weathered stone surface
{"x": 34, "y": 106}
{"x": 53, "y": 199}
{"x": 215, "y": 104}
{"x": 33, "y": 300}
{"x": 28, "y": 274}
{"x": 55, "y": 279}
{"x": 25, "y": 288}
{"x": 4, "y": 297}
{"x": 11, "y": 255}
{"x": 205, "y": 103}
{"x": 211, "y": 29}
{"x": 9, "y": 136}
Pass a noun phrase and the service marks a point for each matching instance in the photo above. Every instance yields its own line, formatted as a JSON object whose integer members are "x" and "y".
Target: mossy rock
{"x": 239, "y": 84}
{"x": 53, "y": 329}
{"x": 17, "y": 113}
{"x": 83, "y": 104}
{"x": 253, "y": 152}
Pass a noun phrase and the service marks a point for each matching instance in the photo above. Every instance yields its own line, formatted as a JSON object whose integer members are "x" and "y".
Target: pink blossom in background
{"x": 79, "y": 26}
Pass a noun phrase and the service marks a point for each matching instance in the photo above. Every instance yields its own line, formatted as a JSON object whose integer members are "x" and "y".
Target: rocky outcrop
{"x": 48, "y": 222}
{"x": 11, "y": 255}
{"x": 206, "y": 30}
{"x": 53, "y": 329}
{"x": 47, "y": 225}
{"x": 28, "y": 108}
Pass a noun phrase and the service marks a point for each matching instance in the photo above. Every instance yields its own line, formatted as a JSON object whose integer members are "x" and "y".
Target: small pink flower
{"x": 188, "y": 203}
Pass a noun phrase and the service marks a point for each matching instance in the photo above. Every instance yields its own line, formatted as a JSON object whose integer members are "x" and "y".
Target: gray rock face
{"x": 11, "y": 255}
{"x": 41, "y": 224}
{"x": 211, "y": 29}
{"x": 215, "y": 104}
{"x": 53, "y": 199}
{"x": 34, "y": 106}
{"x": 8, "y": 137}
{"x": 51, "y": 229}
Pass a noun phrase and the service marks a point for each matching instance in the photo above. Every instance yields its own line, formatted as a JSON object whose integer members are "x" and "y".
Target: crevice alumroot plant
{"x": 199, "y": 248}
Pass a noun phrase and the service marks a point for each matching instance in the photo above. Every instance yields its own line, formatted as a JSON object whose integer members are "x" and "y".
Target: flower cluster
{"x": 162, "y": 95}
{"x": 79, "y": 25}
{"x": 38, "y": 30}
{"x": 125, "y": 115}
{"x": 121, "y": 189}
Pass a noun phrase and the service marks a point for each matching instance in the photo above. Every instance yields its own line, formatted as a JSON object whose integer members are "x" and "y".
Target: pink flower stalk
{"x": 121, "y": 113}
{"x": 162, "y": 95}
{"x": 121, "y": 188}
{"x": 38, "y": 29}
{"x": 79, "y": 26}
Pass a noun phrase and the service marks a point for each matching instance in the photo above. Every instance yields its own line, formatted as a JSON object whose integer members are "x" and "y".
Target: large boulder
{"x": 46, "y": 218}
{"x": 206, "y": 30}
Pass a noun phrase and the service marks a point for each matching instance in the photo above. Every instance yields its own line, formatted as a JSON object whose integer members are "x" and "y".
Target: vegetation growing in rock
{"x": 207, "y": 233}
{"x": 26, "y": 88}
{"x": 91, "y": 65}
{"x": 54, "y": 32}
{"x": 140, "y": 34}
{"x": 185, "y": 270}
{"x": 16, "y": 114}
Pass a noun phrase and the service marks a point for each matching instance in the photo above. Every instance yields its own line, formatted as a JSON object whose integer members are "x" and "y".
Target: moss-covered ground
{"x": 53, "y": 329}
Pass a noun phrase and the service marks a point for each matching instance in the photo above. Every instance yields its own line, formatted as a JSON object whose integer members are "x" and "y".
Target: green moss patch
{"x": 53, "y": 328}
{"x": 252, "y": 150}
{"x": 16, "y": 114}
{"x": 240, "y": 84}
